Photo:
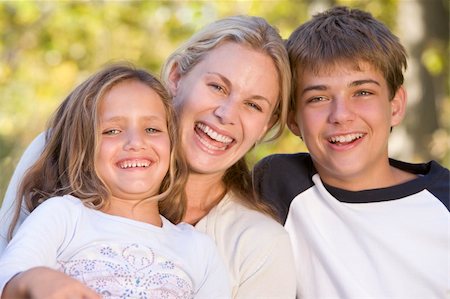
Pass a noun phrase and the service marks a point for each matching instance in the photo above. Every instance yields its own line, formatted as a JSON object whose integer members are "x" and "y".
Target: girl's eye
{"x": 152, "y": 130}
{"x": 111, "y": 132}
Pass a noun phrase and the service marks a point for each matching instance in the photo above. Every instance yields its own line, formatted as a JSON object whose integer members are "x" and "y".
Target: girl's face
{"x": 134, "y": 147}
{"x": 225, "y": 104}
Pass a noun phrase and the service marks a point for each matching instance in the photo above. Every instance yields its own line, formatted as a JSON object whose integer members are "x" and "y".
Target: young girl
{"x": 110, "y": 159}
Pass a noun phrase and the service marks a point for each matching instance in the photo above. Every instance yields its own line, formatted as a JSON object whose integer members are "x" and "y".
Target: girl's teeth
{"x": 131, "y": 164}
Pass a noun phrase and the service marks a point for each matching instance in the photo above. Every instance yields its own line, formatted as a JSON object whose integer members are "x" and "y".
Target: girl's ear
{"x": 174, "y": 78}
{"x": 398, "y": 106}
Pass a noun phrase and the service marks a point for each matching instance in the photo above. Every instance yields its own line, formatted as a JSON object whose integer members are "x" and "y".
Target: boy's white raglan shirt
{"x": 383, "y": 243}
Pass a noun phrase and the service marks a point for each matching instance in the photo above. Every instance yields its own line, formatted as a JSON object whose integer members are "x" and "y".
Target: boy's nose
{"x": 341, "y": 111}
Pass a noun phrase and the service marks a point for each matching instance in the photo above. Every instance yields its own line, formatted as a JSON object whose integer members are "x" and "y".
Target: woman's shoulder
{"x": 234, "y": 214}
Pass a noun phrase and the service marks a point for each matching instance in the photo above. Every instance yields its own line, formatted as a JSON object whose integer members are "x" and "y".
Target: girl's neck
{"x": 147, "y": 212}
{"x": 203, "y": 193}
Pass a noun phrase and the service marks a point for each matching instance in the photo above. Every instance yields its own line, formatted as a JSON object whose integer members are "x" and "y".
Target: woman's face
{"x": 225, "y": 104}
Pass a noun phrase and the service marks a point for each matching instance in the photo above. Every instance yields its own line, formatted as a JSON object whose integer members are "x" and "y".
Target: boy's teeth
{"x": 213, "y": 134}
{"x": 345, "y": 138}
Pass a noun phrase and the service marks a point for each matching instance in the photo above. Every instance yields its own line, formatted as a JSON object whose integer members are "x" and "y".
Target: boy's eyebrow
{"x": 314, "y": 87}
{"x": 354, "y": 83}
{"x": 365, "y": 81}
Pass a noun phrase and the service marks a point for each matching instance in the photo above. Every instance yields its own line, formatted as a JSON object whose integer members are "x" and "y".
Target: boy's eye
{"x": 317, "y": 99}
{"x": 363, "y": 93}
{"x": 111, "y": 132}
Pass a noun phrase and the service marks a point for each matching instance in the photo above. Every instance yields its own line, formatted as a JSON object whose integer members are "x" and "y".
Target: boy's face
{"x": 344, "y": 116}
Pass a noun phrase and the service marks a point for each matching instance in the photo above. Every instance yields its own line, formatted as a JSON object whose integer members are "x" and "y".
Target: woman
{"x": 230, "y": 84}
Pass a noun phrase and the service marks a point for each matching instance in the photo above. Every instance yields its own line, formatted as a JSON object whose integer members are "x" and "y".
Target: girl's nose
{"x": 135, "y": 141}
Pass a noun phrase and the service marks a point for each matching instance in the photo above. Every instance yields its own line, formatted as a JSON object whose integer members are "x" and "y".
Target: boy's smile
{"x": 344, "y": 114}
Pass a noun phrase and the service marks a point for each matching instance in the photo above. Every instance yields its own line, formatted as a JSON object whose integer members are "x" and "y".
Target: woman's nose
{"x": 227, "y": 112}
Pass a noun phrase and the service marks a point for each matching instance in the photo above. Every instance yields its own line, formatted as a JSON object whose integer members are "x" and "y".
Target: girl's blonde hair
{"x": 257, "y": 34}
{"x": 66, "y": 165}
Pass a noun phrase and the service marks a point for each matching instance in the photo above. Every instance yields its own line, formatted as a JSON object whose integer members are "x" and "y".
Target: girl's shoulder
{"x": 61, "y": 203}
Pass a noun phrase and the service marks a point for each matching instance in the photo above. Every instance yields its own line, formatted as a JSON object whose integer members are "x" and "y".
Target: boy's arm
{"x": 28, "y": 158}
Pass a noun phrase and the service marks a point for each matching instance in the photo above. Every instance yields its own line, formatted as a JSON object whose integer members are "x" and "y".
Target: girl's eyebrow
{"x": 120, "y": 118}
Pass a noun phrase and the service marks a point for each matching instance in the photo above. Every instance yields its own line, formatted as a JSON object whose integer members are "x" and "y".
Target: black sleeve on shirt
{"x": 279, "y": 178}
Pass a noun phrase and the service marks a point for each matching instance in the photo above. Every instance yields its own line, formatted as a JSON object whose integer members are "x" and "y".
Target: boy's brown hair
{"x": 341, "y": 35}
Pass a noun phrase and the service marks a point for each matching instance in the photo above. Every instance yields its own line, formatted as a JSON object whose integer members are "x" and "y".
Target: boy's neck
{"x": 391, "y": 176}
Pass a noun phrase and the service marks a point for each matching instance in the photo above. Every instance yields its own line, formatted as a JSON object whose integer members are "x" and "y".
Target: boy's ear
{"x": 292, "y": 124}
{"x": 398, "y": 106}
{"x": 174, "y": 78}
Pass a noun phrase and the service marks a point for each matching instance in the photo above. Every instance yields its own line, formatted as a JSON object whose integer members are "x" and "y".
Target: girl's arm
{"x": 46, "y": 283}
{"x": 38, "y": 243}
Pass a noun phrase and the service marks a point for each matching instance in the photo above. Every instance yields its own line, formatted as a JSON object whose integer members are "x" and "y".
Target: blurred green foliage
{"x": 48, "y": 47}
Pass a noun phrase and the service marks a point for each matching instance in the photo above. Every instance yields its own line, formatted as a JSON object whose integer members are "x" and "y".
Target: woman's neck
{"x": 203, "y": 193}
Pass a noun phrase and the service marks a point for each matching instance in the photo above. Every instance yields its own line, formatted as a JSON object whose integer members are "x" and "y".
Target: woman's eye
{"x": 254, "y": 106}
{"x": 111, "y": 132}
{"x": 217, "y": 88}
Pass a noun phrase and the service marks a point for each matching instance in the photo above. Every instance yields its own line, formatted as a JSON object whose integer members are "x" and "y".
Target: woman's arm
{"x": 28, "y": 158}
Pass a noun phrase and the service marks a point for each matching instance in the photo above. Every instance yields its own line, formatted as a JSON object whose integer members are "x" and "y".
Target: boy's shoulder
{"x": 289, "y": 164}
{"x": 279, "y": 178}
{"x": 432, "y": 177}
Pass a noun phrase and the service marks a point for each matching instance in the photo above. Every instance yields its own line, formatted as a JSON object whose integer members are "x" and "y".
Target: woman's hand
{"x": 46, "y": 283}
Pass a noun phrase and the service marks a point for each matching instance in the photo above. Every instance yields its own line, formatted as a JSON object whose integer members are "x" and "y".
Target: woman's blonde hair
{"x": 67, "y": 163}
{"x": 257, "y": 34}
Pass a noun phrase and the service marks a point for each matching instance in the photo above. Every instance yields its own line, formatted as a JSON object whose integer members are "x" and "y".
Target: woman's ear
{"x": 174, "y": 78}
{"x": 398, "y": 106}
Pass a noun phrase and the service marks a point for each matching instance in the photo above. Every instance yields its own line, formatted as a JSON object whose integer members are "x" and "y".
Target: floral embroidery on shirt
{"x": 130, "y": 271}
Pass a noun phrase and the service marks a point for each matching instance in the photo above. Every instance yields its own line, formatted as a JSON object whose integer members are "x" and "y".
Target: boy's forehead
{"x": 336, "y": 67}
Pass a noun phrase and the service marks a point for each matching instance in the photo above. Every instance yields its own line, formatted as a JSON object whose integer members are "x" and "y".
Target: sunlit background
{"x": 48, "y": 47}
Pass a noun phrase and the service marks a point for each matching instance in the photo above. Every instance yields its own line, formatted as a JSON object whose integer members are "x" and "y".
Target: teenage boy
{"x": 362, "y": 225}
